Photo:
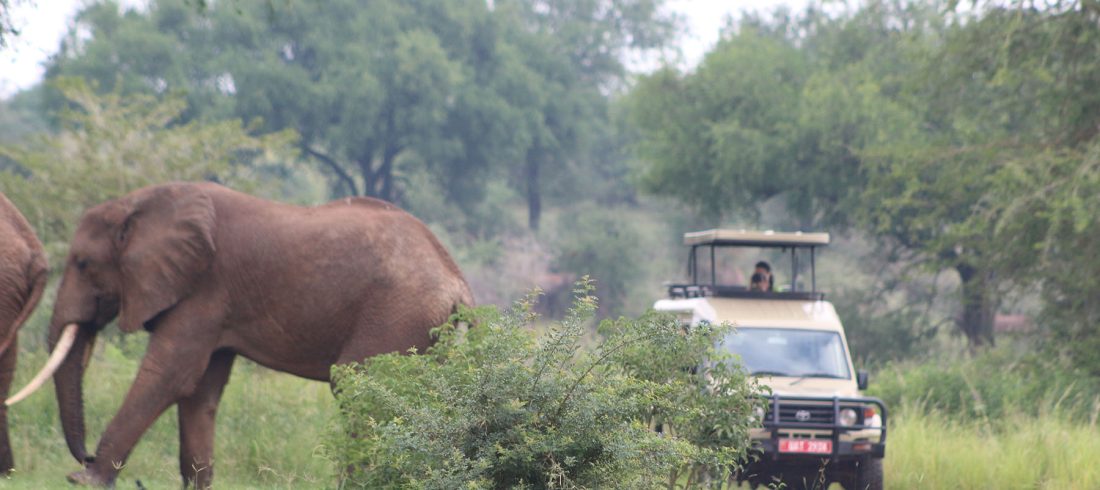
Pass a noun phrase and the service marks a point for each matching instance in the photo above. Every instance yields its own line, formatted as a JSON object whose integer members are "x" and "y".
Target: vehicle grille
{"x": 819, "y": 414}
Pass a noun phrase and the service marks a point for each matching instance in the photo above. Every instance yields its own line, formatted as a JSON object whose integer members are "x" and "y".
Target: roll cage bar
{"x": 713, "y": 239}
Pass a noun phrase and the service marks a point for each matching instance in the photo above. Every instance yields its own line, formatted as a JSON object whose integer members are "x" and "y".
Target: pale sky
{"x": 43, "y": 23}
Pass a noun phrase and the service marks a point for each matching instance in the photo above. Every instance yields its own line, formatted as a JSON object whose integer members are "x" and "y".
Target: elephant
{"x": 211, "y": 273}
{"x": 23, "y": 274}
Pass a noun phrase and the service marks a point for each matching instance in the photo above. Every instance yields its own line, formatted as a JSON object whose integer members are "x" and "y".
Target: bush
{"x": 496, "y": 407}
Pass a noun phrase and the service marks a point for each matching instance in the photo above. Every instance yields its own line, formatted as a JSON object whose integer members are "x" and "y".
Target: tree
{"x": 364, "y": 85}
{"x": 760, "y": 118}
{"x": 380, "y": 91}
{"x": 985, "y": 113}
{"x": 575, "y": 51}
{"x": 7, "y": 28}
{"x": 109, "y": 145}
{"x": 602, "y": 245}
{"x": 1040, "y": 90}
{"x": 719, "y": 138}
{"x": 856, "y": 120}
{"x": 20, "y": 117}
{"x": 1047, "y": 228}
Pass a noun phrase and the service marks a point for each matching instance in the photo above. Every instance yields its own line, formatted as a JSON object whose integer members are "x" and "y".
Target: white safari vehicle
{"x": 817, "y": 428}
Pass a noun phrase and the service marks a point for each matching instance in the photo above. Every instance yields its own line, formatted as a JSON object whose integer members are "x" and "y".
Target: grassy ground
{"x": 271, "y": 428}
{"x": 931, "y": 451}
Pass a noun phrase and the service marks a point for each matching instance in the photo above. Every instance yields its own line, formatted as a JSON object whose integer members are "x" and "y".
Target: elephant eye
{"x": 81, "y": 264}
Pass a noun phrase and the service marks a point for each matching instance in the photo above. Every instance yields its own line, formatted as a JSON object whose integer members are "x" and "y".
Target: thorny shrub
{"x": 498, "y": 406}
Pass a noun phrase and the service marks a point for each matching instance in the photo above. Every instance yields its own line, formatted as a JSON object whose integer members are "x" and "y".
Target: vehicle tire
{"x": 868, "y": 475}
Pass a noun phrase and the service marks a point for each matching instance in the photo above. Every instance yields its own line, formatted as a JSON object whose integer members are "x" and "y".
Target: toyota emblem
{"x": 802, "y": 415}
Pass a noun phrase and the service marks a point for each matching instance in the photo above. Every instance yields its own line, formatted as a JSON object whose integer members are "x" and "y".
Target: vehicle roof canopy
{"x": 794, "y": 242}
{"x": 772, "y": 239}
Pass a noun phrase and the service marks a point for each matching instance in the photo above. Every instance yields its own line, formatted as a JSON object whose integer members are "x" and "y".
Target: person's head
{"x": 763, "y": 268}
{"x": 758, "y": 282}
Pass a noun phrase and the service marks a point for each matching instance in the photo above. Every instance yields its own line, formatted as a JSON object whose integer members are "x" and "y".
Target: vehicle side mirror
{"x": 862, "y": 378}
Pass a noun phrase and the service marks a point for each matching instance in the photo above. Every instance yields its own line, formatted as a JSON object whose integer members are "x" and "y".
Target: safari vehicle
{"x": 816, "y": 428}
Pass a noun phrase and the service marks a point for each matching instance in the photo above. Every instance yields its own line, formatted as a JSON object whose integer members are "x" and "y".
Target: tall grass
{"x": 934, "y": 450}
{"x": 995, "y": 385}
{"x": 1002, "y": 419}
{"x": 269, "y": 427}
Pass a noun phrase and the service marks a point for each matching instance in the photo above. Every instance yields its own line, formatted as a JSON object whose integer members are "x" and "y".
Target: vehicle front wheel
{"x": 867, "y": 475}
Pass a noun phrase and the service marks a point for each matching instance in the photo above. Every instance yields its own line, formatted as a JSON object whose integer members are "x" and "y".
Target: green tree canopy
{"x": 904, "y": 119}
{"x": 109, "y": 145}
{"x": 381, "y": 90}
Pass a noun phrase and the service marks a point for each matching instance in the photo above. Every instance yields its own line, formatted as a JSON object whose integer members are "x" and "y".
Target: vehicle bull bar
{"x": 773, "y": 423}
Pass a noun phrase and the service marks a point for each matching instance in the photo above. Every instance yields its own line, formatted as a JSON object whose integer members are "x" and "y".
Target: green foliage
{"x": 574, "y": 51}
{"x": 688, "y": 408}
{"x": 268, "y": 428}
{"x": 495, "y": 407}
{"x": 876, "y": 334}
{"x": 20, "y": 118}
{"x": 1002, "y": 419}
{"x": 761, "y": 117}
{"x": 964, "y": 389}
{"x": 384, "y": 93}
{"x": 7, "y": 28}
{"x": 1047, "y": 228}
{"x": 932, "y": 450}
{"x": 717, "y": 138}
{"x": 912, "y": 122}
{"x": 109, "y": 145}
{"x": 600, "y": 244}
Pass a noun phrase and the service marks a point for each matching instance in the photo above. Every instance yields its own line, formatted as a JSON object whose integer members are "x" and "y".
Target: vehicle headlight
{"x": 847, "y": 417}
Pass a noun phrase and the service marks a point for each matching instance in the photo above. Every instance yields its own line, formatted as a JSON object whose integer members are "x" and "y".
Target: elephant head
{"x": 133, "y": 259}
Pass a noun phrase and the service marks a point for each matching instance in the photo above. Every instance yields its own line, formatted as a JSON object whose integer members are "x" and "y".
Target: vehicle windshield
{"x": 789, "y": 352}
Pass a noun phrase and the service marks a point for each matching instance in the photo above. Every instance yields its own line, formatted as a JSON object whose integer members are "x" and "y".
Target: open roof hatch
{"x": 712, "y": 239}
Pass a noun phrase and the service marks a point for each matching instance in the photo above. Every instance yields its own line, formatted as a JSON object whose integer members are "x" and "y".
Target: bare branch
{"x": 346, "y": 179}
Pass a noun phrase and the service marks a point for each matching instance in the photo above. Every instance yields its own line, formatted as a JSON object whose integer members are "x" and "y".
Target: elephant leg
{"x": 196, "y": 422}
{"x": 7, "y": 373}
{"x": 178, "y": 354}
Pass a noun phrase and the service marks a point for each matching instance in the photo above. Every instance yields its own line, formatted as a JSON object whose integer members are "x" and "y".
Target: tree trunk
{"x": 534, "y": 198}
{"x": 369, "y": 181}
{"x": 979, "y": 307}
{"x": 386, "y": 189}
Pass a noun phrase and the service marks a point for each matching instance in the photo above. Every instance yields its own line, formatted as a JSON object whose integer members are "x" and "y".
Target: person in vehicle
{"x": 759, "y": 282}
{"x": 765, "y": 269}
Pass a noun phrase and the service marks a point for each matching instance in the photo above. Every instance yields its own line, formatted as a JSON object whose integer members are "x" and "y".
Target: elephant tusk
{"x": 64, "y": 344}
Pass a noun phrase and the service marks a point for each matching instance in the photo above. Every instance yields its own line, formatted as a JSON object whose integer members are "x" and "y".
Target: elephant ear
{"x": 165, "y": 244}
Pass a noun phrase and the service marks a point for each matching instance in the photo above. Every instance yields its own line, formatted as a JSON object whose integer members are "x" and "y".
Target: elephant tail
{"x": 37, "y": 273}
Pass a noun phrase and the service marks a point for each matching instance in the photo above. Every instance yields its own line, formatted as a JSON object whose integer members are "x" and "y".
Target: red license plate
{"x": 806, "y": 446}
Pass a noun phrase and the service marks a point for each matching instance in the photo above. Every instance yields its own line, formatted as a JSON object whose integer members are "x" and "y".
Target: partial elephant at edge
{"x": 23, "y": 275}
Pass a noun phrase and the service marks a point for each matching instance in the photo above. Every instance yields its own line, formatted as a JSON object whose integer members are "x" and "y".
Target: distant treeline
{"x": 960, "y": 140}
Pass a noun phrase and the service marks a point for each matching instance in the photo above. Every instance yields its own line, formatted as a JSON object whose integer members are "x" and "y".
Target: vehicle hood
{"x": 782, "y": 385}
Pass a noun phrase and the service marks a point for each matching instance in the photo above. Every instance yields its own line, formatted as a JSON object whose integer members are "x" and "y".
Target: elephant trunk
{"x": 69, "y": 383}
